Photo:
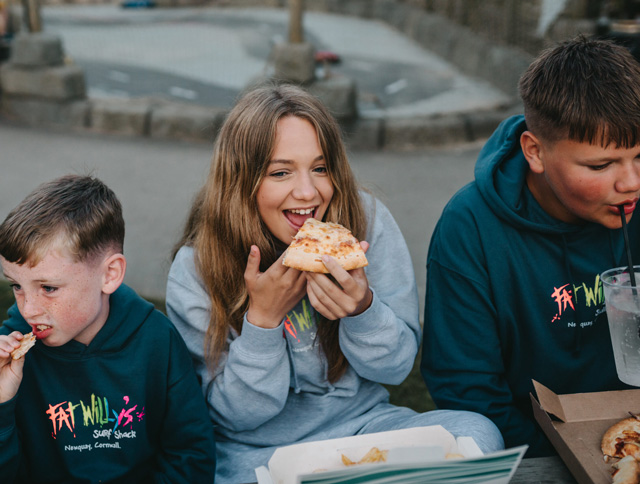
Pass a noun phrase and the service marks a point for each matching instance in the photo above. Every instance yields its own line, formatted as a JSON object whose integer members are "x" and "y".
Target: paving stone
{"x": 37, "y": 50}
{"x": 414, "y": 133}
{"x": 339, "y": 95}
{"x": 128, "y": 117}
{"x": 186, "y": 122}
{"x": 363, "y": 133}
{"x": 37, "y": 112}
{"x": 59, "y": 83}
{"x": 294, "y": 62}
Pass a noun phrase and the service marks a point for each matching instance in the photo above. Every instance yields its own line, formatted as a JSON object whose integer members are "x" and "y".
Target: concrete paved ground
{"x": 156, "y": 180}
{"x": 208, "y": 55}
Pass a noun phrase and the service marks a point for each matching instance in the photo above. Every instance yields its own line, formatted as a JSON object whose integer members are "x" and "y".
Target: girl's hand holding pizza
{"x": 10, "y": 369}
{"x": 271, "y": 293}
{"x": 349, "y": 297}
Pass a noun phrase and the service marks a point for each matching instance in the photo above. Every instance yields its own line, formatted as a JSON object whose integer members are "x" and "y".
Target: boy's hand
{"x": 349, "y": 297}
{"x": 10, "y": 369}
{"x": 271, "y": 293}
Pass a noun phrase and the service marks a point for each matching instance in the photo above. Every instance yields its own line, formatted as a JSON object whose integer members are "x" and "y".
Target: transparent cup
{"x": 623, "y": 312}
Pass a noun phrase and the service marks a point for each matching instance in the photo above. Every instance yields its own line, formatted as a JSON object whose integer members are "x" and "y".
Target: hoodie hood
{"x": 501, "y": 173}
{"x": 124, "y": 307}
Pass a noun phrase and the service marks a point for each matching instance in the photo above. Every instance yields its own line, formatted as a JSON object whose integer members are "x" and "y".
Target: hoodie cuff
{"x": 8, "y": 415}
{"x": 261, "y": 341}
{"x": 366, "y": 322}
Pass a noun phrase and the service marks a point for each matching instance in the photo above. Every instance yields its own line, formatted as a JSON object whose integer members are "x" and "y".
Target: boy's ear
{"x": 114, "y": 268}
{"x": 532, "y": 149}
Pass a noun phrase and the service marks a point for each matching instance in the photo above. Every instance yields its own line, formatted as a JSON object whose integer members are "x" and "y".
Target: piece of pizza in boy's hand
{"x": 316, "y": 238}
{"x": 27, "y": 342}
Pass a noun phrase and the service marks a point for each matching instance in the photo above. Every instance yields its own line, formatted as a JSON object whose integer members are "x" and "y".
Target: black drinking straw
{"x": 632, "y": 275}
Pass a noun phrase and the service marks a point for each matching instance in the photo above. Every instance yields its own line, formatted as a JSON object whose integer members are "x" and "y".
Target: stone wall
{"x": 519, "y": 23}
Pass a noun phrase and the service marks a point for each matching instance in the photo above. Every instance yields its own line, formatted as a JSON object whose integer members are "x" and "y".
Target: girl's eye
{"x": 278, "y": 174}
{"x": 15, "y": 287}
{"x": 320, "y": 169}
{"x": 49, "y": 289}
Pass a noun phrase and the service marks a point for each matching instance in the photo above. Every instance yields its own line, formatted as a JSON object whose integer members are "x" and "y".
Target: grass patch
{"x": 411, "y": 393}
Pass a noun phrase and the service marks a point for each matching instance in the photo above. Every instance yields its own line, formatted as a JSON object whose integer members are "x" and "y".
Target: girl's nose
{"x": 305, "y": 188}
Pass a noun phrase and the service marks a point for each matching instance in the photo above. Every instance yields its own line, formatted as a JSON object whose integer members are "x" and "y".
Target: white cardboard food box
{"x": 420, "y": 452}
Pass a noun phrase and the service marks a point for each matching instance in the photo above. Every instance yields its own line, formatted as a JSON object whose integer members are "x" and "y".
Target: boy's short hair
{"x": 584, "y": 90}
{"x": 78, "y": 213}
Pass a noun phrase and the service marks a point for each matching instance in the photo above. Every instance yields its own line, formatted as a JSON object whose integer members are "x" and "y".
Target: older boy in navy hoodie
{"x": 513, "y": 288}
{"x": 108, "y": 393}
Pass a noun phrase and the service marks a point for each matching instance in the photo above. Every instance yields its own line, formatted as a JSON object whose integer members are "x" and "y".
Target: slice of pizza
{"x": 622, "y": 439}
{"x": 315, "y": 239}
{"x": 626, "y": 471}
{"x": 26, "y": 343}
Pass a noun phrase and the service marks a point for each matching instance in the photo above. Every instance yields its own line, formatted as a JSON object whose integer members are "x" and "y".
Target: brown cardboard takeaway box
{"x": 581, "y": 421}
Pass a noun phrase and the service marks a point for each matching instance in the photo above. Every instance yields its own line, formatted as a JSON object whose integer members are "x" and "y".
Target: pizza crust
{"x": 622, "y": 439}
{"x": 27, "y": 342}
{"x": 315, "y": 239}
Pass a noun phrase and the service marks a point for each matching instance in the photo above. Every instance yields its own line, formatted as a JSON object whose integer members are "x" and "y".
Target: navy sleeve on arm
{"x": 188, "y": 446}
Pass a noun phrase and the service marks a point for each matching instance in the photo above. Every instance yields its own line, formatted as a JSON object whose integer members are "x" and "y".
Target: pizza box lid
{"x": 575, "y": 424}
{"x": 420, "y": 449}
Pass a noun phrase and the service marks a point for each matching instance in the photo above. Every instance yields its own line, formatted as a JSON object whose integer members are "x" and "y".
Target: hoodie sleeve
{"x": 188, "y": 448}
{"x": 382, "y": 342}
{"x": 11, "y": 460}
{"x": 250, "y": 384}
{"x": 462, "y": 360}
{"x": 10, "y": 454}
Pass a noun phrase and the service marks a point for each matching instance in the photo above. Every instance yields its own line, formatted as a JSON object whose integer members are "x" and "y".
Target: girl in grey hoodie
{"x": 286, "y": 356}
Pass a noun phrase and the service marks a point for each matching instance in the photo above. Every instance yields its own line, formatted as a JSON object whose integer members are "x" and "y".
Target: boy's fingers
{"x": 16, "y": 365}
{"x": 10, "y": 343}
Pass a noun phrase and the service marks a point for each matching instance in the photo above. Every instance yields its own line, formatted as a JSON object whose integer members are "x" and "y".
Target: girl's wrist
{"x": 262, "y": 321}
{"x": 366, "y": 304}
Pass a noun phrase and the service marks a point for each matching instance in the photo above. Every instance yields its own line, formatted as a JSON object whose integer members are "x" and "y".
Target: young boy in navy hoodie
{"x": 513, "y": 287}
{"x": 108, "y": 393}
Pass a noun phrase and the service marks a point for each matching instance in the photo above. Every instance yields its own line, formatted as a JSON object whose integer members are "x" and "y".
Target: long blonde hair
{"x": 224, "y": 221}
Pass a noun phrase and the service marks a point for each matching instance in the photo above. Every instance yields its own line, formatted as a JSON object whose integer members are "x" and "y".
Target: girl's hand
{"x": 272, "y": 293}
{"x": 10, "y": 369}
{"x": 349, "y": 297}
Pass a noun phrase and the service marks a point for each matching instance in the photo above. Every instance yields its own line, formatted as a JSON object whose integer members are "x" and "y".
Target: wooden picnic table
{"x": 547, "y": 470}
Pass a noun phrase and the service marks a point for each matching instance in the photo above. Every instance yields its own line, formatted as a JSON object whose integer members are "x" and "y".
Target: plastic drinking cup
{"x": 622, "y": 301}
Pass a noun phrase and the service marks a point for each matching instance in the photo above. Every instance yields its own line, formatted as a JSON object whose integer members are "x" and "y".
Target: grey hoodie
{"x": 271, "y": 389}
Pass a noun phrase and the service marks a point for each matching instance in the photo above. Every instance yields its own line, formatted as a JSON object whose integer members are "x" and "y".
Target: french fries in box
{"x": 313, "y": 461}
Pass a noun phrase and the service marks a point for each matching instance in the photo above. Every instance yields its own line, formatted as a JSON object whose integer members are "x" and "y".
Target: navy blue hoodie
{"x": 127, "y": 408}
{"x": 514, "y": 295}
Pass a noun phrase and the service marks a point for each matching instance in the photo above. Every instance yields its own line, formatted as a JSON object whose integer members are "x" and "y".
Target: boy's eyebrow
{"x": 600, "y": 159}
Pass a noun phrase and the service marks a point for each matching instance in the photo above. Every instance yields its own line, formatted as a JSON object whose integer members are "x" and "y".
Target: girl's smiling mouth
{"x": 297, "y": 216}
